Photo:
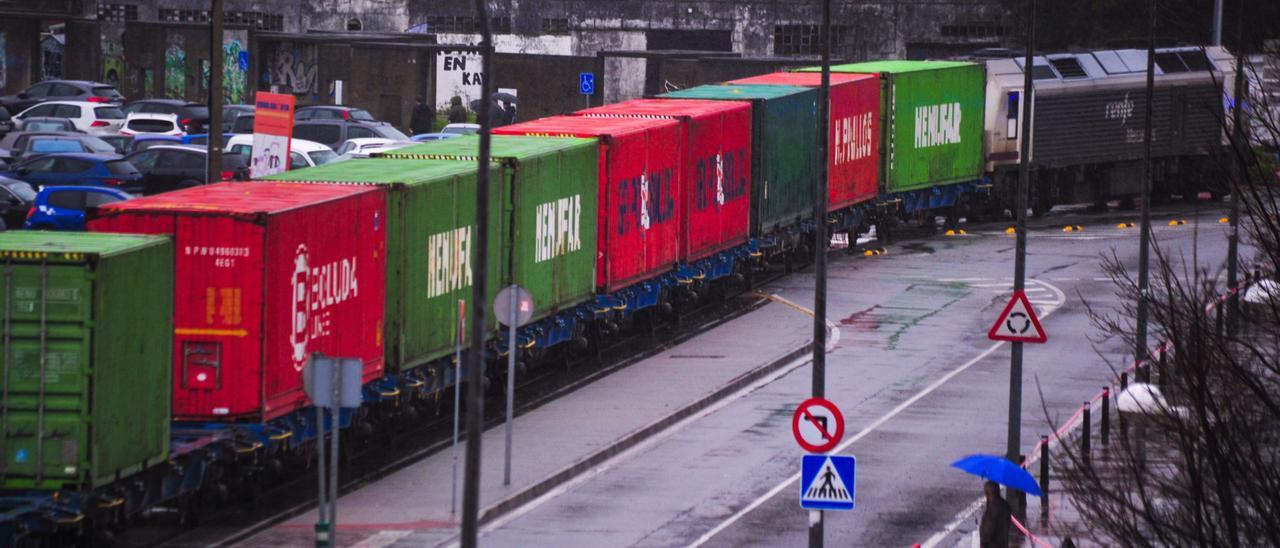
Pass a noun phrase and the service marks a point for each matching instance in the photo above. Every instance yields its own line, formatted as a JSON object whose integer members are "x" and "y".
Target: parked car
{"x": 243, "y": 124}
{"x": 64, "y": 207}
{"x": 333, "y": 133}
{"x": 62, "y": 90}
{"x": 231, "y": 113}
{"x": 77, "y": 168}
{"x": 152, "y": 124}
{"x": 93, "y": 118}
{"x": 16, "y": 200}
{"x": 6, "y": 122}
{"x": 171, "y": 167}
{"x": 119, "y": 142}
{"x": 20, "y": 144}
{"x": 144, "y": 142}
{"x": 302, "y": 153}
{"x": 202, "y": 139}
{"x": 461, "y": 129}
{"x": 434, "y": 136}
{"x": 361, "y": 148}
{"x": 42, "y": 123}
{"x": 193, "y": 117}
{"x": 332, "y": 112}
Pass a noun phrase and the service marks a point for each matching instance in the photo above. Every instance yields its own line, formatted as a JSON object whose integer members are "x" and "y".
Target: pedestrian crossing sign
{"x": 827, "y": 482}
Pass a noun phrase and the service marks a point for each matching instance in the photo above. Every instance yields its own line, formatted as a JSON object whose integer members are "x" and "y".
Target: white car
{"x": 152, "y": 123}
{"x": 302, "y": 153}
{"x": 461, "y": 129}
{"x": 91, "y": 118}
{"x": 362, "y": 147}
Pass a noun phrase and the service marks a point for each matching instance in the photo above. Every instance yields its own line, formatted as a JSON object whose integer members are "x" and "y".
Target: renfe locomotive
{"x": 150, "y": 368}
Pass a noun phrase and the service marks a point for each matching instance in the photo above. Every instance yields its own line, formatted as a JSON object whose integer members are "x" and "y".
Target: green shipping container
{"x": 431, "y": 219}
{"x": 784, "y": 149}
{"x": 930, "y": 119}
{"x": 88, "y": 357}
{"x": 549, "y": 194}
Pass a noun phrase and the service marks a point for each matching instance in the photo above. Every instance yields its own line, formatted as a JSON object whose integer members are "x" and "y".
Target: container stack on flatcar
{"x": 223, "y": 292}
{"x": 715, "y": 139}
{"x": 854, "y": 137}
{"x": 783, "y": 162}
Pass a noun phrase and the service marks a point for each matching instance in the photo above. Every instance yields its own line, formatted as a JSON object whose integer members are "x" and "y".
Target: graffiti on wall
{"x": 293, "y": 74}
{"x": 112, "y": 61}
{"x": 4, "y": 67}
{"x": 175, "y": 68}
{"x": 235, "y": 70}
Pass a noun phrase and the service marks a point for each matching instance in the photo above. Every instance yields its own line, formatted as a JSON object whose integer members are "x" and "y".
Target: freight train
{"x": 157, "y": 359}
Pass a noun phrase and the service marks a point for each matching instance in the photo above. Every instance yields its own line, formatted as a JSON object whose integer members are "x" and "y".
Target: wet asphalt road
{"x": 916, "y": 378}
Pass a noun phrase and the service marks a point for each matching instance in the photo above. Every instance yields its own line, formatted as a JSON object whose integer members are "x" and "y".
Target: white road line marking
{"x": 963, "y": 516}
{"x": 382, "y": 539}
{"x": 1035, "y": 289}
{"x": 863, "y": 433}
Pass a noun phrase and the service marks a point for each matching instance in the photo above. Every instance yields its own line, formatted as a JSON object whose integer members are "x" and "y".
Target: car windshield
{"x": 109, "y": 113}
{"x": 321, "y": 157}
{"x": 195, "y": 110}
{"x": 22, "y": 190}
{"x": 107, "y": 92}
{"x": 361, "y": 115}
{"x": 459, "y": 130}
{"x": 121, "y": 167}
{"x": 154, "y": 126}
{"x": 392, "y": 133}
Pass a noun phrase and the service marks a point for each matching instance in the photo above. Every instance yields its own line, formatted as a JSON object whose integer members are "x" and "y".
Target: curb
{"x": 634, "y": 438}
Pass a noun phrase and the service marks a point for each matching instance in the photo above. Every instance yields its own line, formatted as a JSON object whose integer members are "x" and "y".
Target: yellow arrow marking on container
{"x": 211, "y": 332}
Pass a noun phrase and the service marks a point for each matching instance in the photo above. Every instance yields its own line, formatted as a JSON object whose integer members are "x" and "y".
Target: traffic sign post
{"x": 513, "y": 306}
{"x": 587, "y": 85}
{"x": 1018, "y": 322}
{"x": 332, "y": 383}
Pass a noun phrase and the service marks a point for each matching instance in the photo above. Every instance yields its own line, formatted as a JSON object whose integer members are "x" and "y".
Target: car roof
{"x": 337, "y": 122}
{"x": 43, "y": 118}
{"x": 6, "y": 181}
{"x": 84, "y": 188}
{"x": 92, "y": 156}
{"x": 179, "y": 102}
{"x": 152, "y": 116}
{"x": 301, "y": 145}
{"x": 85, "y": 82}
{"x": 370, "y": 141}
{"x": 188, "y": 148}
{"x": 75, "y": 103}
{"x": 332, "y": 107}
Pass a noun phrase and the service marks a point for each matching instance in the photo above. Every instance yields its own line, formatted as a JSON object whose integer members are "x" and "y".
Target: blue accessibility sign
{"x": 586, "y": 83}
{"x": 826, "y": 482}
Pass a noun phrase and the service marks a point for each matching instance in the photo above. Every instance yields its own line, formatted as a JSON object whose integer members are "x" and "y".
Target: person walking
{"x": 423, "y": 118}
{"x": 457, "y": 112}
{"x": 994, "y": 529}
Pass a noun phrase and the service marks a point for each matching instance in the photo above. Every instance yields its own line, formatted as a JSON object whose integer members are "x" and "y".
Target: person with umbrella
{"x": 993, "y": 531}
{"x": 508, "y": 106}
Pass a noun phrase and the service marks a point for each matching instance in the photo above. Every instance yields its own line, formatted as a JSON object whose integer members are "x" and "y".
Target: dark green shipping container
{"x": 784, "y": 149}
{"x": 431, "y": 219}
{"x": 549, "y": 187}
{"x": 930, "y": 121}
{"x": 88, "y": 357}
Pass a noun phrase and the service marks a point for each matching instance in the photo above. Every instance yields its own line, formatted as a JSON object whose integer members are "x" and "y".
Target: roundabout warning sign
{"x": 817, "y": 425}
{"x": 1018, "y": 322}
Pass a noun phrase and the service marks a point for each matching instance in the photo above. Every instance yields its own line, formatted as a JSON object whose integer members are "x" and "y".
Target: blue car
{"x": 434, "y": 136}
{"x": 78, "y": 168}
{"x": 63, "y": 207}
{"x": 203, "y": 139}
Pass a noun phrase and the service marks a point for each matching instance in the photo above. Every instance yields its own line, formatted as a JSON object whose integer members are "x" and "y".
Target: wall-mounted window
{"x": 806, "y": 40}
{"x": 184, "y": 16}
{"x": 117, "y": 12}
{"x": 555, "y": 26}
{"x": 974, "y": 30}
{"x": 451, "y": 24}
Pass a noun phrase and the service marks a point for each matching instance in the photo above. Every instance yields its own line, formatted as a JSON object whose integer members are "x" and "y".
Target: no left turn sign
{"x": 817, "y": 425}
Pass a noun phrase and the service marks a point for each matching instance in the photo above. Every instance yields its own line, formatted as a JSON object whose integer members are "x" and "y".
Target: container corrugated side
{"x": 105, "y": 302}
{"x": 638, "y": 231}
{"x": 549, "y": 186}
{"x": 716, "y": 145}
{"x": 784, "y": 149}
{"x": 267, "y": 274}
{"x": 431, "y": 218}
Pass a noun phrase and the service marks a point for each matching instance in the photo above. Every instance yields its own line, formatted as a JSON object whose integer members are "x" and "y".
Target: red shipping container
{"x": 716, "y": 169}
{"x": 638, "y": 225}
{"x": 855, "y": 132}
{"x": 267, "y": 274}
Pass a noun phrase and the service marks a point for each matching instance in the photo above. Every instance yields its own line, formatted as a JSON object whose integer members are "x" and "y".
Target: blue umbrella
{"x": 1000, "y": 470}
